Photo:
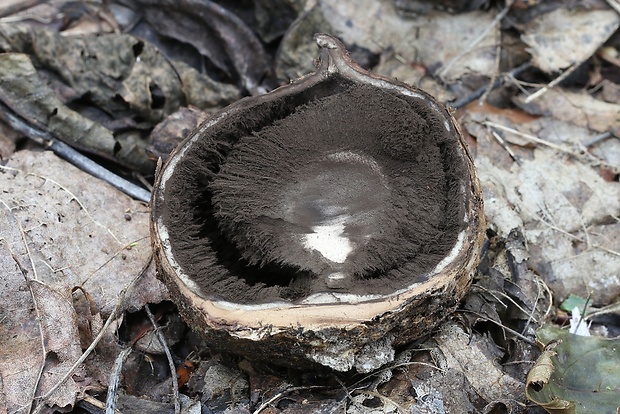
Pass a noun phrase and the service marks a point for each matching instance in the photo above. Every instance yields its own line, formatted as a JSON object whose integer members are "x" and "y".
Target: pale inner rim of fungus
{"x": 421, "y": 161}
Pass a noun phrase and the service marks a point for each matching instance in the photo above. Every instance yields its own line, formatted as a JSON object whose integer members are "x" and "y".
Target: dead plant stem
{"x": 173, "y": 371}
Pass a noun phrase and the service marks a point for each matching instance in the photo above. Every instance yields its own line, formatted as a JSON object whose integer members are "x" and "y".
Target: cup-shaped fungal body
{"x": 321, "y": 224}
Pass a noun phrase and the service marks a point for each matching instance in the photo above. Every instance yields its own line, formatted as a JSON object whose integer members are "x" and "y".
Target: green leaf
{"x": 571, "y": 301}
{"x": 575, "y": 374}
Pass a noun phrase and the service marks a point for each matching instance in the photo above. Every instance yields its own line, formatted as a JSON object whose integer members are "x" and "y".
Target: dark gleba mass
{"x": 356, "y": 191}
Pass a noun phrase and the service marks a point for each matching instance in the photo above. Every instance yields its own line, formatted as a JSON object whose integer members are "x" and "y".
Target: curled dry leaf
{"x": 114, "y": 90}
{"x": 31, "y": 99}
{"x": 566, "y": 37}
{"x": 214, "y": 31}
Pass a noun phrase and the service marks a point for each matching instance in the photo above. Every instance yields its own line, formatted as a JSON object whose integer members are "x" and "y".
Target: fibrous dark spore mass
{"x": 361, "y": 173}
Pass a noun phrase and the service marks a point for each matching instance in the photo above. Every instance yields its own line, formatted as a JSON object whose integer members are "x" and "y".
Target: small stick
{"x": 459, "y": 103}
{"x": 69, "y": 154}
{"x": 282, "y": 394}
{"x": 553, "y": 83}
{"x": 614, "y": 5}
{"x": 173, "y": 372}
{"x": 115, "y": 379}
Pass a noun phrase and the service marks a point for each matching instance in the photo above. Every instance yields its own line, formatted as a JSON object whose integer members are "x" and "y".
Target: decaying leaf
{"x": 578, "y": 108}
{"x": 460, "y": 351}
{"x": 170, "y": 132}
{"x": 78, "y": 236}
{"x": 30, "y": 98}
{"x": 566, "y": 37}
{"x": 273, "y": 18}
{"x": 40, "y": 342}
{"x": 214, "y": 31}
{"x": 440, "y": 41}
{"x": 575, "y": 374}
{"x": 116, "y": 89}
{"x": 566, "y": 208}
{"x": 297, "y": 52}
{"x": 59, "y": 233}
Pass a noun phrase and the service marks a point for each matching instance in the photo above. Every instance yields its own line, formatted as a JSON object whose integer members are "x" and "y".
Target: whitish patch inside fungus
{"x": 349, "y": 189}
{"x": 328, "y": 240}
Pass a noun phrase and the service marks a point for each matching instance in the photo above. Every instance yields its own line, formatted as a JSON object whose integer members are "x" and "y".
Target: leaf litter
{"x": 548, "y": 163}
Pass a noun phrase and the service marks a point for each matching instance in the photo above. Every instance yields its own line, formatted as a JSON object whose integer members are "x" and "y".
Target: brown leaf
{"x": 214, "y": 31}
{"x": 564, "y": 37}
{"x": 578, "y": 108}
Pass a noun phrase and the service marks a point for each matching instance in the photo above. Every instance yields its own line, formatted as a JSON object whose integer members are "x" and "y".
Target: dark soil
{"x": 376, "y": 170}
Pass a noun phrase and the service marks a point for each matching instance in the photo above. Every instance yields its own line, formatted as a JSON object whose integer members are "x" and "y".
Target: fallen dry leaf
{"x": 64, "y": 229}
{"x": 578, "y": 108}
{"x": 567, "y": 210}
{"x": 565, "y": 37}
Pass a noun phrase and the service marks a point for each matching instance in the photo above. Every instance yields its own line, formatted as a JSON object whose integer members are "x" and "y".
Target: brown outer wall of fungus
{"x": 291, "y": 345}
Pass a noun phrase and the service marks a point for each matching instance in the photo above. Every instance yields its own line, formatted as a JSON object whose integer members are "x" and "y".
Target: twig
{"x": 475, "y": 42}
{"x": 459, "y": 103}
{"x": 614, "y": 5}
{"x": 598, "y": 138}
{"x": 67, "y": 153}
{"x": 115, "y": 379}
{"x": 505, "y": 146}
{"x": 493, "y": 292}
{"x": 501, "y": 325}
{"x": 283, "y": 393}
{"x": 164, "y": 344}
{"x": 553, "y": 83}
{"x": 498, "y": 53}
{"x": 585, "y": 157}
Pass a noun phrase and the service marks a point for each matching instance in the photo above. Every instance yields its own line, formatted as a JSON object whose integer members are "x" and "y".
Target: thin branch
{"x": 553, "y": 83}
{"x": 459, "y": 103}
{"x": 286, "y": 392}
{"x": 69, "y": 154}
{"x": 115, "y": 379}
{"x": 173, "y": 374}
{"x": 585, "y": 156}
{"x": 501, "y": 325}
{"x": 614, "y": 5}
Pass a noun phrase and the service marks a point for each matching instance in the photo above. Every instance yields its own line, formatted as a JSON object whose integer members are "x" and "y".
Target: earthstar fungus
{"x": 322, "y": 224}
